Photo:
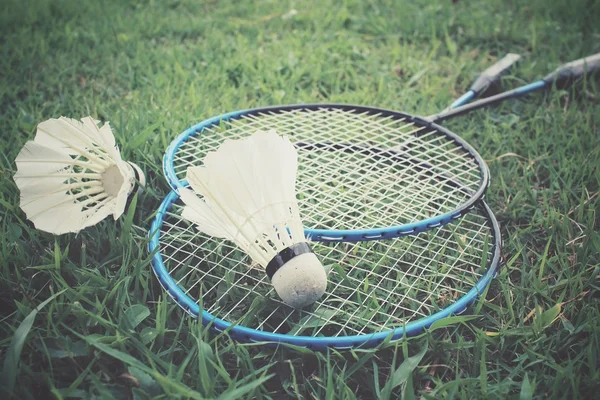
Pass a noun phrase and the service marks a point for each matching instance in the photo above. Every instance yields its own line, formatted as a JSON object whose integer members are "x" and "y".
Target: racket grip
{"x": 491, "y": 75}
{"x": 568, "y": 73}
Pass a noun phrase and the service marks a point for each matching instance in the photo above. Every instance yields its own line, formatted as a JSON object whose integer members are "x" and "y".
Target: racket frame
{"x": 350, "y": 235}
{"x": 249, "y": 335}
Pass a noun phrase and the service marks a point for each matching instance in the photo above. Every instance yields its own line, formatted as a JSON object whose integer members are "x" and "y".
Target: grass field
{"x": 153, "y": 68}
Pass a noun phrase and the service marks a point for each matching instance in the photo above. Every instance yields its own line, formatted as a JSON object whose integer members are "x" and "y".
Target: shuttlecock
{"x": 249, "y": 197}
{"x": 71, "y": 175}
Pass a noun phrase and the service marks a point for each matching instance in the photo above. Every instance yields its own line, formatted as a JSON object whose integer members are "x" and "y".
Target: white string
{"x": 351, "y": 190}
{"x": 387, "y": 283}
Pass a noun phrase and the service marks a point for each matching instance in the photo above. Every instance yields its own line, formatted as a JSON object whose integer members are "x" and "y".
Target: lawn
{"x": 153, "y": 68}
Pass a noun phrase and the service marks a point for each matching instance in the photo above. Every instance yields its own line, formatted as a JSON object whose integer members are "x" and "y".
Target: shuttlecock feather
{"x": 249, "y": 197}
{"x": 71, "y": 175}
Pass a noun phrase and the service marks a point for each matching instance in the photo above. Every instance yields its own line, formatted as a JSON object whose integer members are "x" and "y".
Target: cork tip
{"x": 301, "y": 281}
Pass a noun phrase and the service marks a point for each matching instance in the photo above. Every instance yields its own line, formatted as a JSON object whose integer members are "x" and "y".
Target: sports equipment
{"x": 486, "y": 79}
{"x": 248, "y": 188}
{"x": 366, "y": 173}
{"x": 71, "y": 175}
{"x": 379, "y": 291}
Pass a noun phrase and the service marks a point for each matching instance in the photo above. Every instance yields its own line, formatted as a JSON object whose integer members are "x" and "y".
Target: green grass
{"x": 153, "y": 68}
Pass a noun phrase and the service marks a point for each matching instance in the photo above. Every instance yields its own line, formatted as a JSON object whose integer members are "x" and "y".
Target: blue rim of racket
{"x": 245, "y": 334}
{"x": 351, "y": 235}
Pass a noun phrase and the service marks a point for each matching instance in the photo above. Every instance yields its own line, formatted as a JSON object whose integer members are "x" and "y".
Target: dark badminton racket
{"x": 366, "y": 173}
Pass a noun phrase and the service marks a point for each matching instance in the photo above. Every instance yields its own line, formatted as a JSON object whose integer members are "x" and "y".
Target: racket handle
{"x": 493, "y": 73}
{"x": 563, "y": 76}
{"x": 569, "y": 72}
{"x": 487, "y": 78}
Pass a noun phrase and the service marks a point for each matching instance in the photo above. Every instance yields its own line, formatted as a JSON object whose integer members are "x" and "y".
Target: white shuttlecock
{"x": 71, "y": 175}
{"x": 249, "y": 197}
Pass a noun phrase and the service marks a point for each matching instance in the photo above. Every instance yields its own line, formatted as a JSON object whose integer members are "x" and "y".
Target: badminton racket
{"x": 380, "y": 290}
{"x": 366, "y": 173}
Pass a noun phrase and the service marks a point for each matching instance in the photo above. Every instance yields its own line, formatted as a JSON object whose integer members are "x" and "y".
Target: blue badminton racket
{"x": 379, "y": 290}
{"x": 367, "y": 173}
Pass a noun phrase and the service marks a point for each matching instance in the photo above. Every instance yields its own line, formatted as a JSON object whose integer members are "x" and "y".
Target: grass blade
{"x": 526, "y": 389}
{"x": 11, "y": 367}
{"x": 404, "y": 371}
{"x": 134, "y": 362}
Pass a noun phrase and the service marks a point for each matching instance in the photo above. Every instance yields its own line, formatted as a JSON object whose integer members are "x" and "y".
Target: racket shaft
{"x": 465, "y": 98}
{"x": 565, "y": 74}
{"x": 520, "y": 91}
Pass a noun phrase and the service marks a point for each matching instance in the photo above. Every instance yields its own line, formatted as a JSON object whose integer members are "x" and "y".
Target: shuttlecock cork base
{"x": 297, "y": 275}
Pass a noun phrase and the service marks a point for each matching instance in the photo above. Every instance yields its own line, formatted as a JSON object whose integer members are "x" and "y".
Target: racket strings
{"x": 376, "y": 199}
{"x": 391, "y": 319}
{"x": 352, "y": 189}
{"x": 372, "y": 285}
{"x": 422, "y": 270}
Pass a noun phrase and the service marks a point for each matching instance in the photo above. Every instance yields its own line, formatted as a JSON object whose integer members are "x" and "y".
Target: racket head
{"x": 377, "y": 291}
{"x": 364, "y": 173}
